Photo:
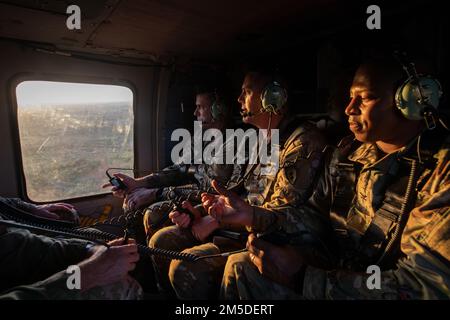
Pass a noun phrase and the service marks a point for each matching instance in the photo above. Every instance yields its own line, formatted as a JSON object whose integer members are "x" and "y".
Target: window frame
{"x": 14, "y": 120}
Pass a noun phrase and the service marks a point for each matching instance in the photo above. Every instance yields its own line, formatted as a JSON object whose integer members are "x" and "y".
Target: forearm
{"x": 260, "y": 219}
{"x": 27, "y": 258}
{"x": 291, "y": 220}
{"x": 52, "y": 288}
{"x": 19, "y": 204}
{"x": 171, "y": 176}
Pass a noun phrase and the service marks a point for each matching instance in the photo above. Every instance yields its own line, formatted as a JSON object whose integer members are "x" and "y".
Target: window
{"x": 70, "y": 133}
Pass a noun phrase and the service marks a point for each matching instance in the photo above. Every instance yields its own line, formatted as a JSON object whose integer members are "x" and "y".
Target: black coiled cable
{"x": 404, "y": 211}
{"x": 11, "y": 213}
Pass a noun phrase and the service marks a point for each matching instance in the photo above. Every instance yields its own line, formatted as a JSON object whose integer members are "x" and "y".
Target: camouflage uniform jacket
{"x": 199, "y": 174}
{"x": 300, "y": 159}
{"x": 34, "y": 266}
{"x": 26, "y": 258}
{"x": 419, "y": 265}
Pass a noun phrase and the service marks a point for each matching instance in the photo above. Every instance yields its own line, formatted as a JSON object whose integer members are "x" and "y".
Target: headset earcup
{"x": 216, "y": 110}
{"x": 407, "y": 97}
{"x": 273, "y": 97}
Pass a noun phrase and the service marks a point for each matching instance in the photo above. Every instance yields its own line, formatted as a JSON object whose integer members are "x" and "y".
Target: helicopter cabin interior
{"x": 109, "y": 93}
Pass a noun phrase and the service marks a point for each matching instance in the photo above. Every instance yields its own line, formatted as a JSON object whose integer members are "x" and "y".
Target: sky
{"x": 36, "y": 93}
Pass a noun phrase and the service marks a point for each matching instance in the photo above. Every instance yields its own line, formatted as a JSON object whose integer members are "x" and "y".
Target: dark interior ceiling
{"x": 160, "y": 30}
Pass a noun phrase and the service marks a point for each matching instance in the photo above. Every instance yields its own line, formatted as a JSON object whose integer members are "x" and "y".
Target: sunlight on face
{"x": 371, "y": 112}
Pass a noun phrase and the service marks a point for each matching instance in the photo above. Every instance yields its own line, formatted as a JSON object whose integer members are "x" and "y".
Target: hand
{"x": 129, "y": 182}
{"x": 139, "y": 198}
{"x": 57, "y": 211}
{"x": 278, "y": 263}
{"x": 228, "y": 207}
{"x": 208, "y": 200}
{"x": 203, "y": 227}
{"x": 181, "y": 219}
{"x": 108, "y": 265}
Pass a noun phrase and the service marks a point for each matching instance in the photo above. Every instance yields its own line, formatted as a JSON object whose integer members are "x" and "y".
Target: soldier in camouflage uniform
{"x": 300, "y": 156}
{"x": 26, "y": 259}
{"x": 153, "y": 190}
{"x": 382, "y": 200}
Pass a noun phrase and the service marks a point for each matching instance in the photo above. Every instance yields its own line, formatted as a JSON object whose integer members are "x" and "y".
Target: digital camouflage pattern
{"x": 177, "y": 175}
{"x": 169, "y": 238}
{"x": 300, "y": 160}
{"x": 242, "y": 280}
{"x": 421, "y": 270}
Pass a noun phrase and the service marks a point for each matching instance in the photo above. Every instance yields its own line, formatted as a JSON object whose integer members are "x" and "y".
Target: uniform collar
{"x": 287, "y": 125}
{"x": 370, "y": 156}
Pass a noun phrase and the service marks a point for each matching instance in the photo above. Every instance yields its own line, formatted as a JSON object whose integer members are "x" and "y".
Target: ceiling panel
{"x": 166, "y": 28}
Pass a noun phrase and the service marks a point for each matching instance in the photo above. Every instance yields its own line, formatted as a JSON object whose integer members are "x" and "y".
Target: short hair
{"x": 205, "y": 89}
{"x": 268, "y": 72}
{"x": 390, "y": 63}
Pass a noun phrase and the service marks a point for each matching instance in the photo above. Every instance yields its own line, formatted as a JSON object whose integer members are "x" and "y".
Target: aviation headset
{"x": 273, "y": 97}
{"x": 418, "y": 96}
{"x": 217, "y": 108}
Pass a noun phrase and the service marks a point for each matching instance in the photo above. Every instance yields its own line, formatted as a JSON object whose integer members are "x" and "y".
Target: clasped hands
{"x": 278, "y": 263}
